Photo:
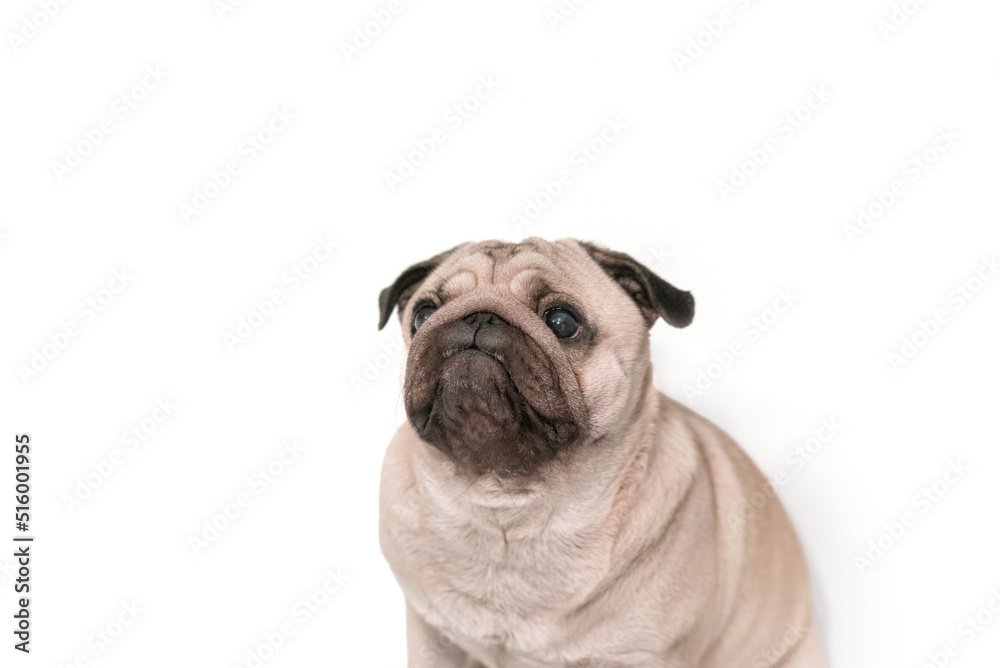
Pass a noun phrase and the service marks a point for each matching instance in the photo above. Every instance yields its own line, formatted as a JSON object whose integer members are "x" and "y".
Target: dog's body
{"x": 615, "y": 531}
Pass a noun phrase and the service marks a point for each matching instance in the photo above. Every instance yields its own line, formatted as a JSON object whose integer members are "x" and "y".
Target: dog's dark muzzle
{"x": 483, "y": 392}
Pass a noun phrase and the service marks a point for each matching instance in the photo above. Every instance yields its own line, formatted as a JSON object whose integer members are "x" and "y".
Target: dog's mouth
{"x": 482, "y": 405}
{"x": 474, "y": 369}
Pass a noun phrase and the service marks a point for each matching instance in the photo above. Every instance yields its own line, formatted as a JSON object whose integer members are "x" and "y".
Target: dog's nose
{"x": 482, "y": 319}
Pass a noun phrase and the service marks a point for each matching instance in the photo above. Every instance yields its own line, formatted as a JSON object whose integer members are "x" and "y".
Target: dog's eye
{"x": 562, "y": 323}
{"x": 420, "y": 314}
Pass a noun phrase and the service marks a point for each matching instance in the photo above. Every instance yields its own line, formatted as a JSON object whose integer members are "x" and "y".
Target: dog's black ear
{"x": 399, "y": 293}
{"x": 655, "y": 297}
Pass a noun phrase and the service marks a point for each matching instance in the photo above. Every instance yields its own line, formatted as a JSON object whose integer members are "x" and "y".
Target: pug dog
{"x": 545, "y": 505}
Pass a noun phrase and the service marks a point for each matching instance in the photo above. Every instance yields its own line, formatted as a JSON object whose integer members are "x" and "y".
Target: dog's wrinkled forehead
{"x": 524, "y": 270}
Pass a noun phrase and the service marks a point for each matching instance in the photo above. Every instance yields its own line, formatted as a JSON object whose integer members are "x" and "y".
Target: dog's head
{"x": 521, "y": 351}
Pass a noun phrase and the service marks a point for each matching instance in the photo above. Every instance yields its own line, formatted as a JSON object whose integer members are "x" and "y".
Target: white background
{"x": 653, "y": 193}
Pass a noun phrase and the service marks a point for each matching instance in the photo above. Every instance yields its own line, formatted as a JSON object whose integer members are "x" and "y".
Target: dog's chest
{"x": 501, "y": 592}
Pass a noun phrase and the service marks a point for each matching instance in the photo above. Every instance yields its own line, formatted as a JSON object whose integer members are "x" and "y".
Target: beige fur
{"x": 626, "y": 550}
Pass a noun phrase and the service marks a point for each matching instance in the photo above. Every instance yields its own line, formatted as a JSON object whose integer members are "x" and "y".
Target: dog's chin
{"x": 479, "y": 419}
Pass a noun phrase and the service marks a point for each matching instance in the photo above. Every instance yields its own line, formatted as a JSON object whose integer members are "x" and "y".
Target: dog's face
{"x": 519, "y": 353}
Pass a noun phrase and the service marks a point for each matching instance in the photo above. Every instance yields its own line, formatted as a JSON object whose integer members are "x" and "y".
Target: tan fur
{"x": 622, "y": 552}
